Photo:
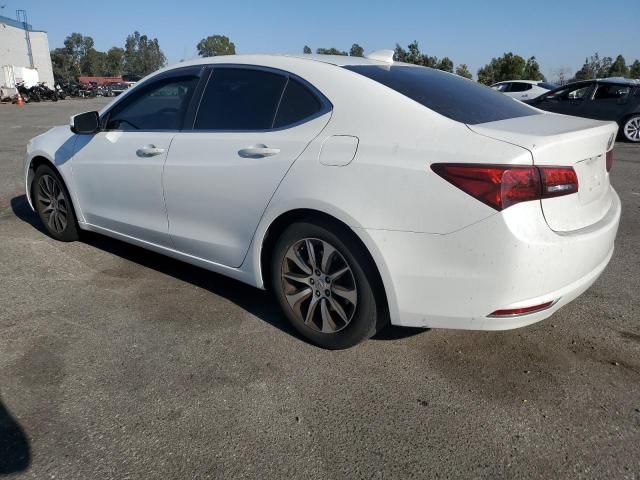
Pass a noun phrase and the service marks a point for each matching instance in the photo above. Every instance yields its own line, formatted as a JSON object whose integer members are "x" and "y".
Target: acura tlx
{"x": 361, "y": 191}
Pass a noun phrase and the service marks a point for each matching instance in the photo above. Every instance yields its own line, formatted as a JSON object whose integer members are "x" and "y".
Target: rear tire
{"x": 53, "y": 204}
{"x": 631, "y": 129}
{"x": 330, "y": 296}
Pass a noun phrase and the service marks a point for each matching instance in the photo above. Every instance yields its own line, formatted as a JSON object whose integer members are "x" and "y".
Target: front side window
{"x": 240, "y": 99}
{"x": 575, "y": 92}
{"x": 450, "y": 95}
{"x": 158, "y": 106}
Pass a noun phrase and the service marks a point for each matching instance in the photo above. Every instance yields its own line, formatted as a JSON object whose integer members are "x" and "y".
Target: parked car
{"x": 523, "y": 89}
{"x": 613, "y": 99}
{"x": 359, "y": 190}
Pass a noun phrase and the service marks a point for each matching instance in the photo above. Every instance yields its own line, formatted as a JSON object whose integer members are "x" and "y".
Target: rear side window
{"x": 297, "y": 104}
{"x": 240, "y": 99}
{"x": 605, "y": 92}
{"x": 520, "y": 87}
{"x": 450, "y": 95}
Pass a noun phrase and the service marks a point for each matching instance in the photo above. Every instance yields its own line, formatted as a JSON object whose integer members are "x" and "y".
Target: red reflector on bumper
{"x": 522, "y": 310}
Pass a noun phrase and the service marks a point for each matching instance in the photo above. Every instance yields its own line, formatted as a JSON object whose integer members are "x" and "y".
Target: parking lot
{"x": 120, "y": 363}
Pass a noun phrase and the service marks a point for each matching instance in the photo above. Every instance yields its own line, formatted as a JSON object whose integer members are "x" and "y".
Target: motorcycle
{"x": 28, "y": 94}
{"x": 45, "y": 92}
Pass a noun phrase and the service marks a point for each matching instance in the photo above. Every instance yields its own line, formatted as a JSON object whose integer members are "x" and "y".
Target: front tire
{"x": 631, "y": 129}
{"x": 53, "y": 204}
{"x": 326, "y": 284}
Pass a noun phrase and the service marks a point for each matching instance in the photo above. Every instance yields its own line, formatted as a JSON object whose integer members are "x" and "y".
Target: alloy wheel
{"x": 632, "y": 129}
{"x": 52, "y": 203}
{"x": 319, "y": 285}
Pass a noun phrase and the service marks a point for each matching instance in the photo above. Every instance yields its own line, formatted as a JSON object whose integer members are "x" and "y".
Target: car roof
{"x": 532, "y": 82}
{"x": 621, "y": 80}
{"x": 338, "y": 60}
{"x": 611, "y": 80}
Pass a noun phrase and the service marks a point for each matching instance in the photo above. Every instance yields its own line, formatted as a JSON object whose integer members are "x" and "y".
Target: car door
{"x": 609, "y": 102}
{"x": 568, "y": 100}
{"x": 118, "y": 171}
{"x": 519, "y": 90}
{"x": 251, "y": 125}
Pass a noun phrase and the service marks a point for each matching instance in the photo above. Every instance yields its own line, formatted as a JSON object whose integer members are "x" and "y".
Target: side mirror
{"x": 85, "y": 123}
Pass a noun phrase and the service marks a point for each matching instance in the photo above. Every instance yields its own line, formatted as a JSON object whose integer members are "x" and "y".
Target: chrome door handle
{"x": 150, "y": 151}
{"x": 258, "y": 151}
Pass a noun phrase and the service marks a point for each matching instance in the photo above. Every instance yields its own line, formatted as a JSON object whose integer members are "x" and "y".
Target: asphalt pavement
{"x": 120, "y": 363}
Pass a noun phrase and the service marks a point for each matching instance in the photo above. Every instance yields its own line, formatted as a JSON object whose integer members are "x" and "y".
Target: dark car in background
{"x": 615, "y": 99}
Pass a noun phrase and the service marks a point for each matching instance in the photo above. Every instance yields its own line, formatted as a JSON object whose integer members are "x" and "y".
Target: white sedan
{"x": 361, "y": 191}
{"x": 523, "y": 89}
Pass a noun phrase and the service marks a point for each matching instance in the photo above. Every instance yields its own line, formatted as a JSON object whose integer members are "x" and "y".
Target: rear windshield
{"x": 548, "y": 86}
{"x": 450, "y": 95}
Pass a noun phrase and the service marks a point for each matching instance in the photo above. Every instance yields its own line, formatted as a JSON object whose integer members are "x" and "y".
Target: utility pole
{"x": 21, "y": 16}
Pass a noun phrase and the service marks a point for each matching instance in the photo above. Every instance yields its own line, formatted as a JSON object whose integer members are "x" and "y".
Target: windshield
{"x": 450, "y": 95}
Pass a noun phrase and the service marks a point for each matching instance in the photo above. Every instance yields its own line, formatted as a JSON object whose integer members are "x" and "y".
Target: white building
{"x": 14, "y": 54}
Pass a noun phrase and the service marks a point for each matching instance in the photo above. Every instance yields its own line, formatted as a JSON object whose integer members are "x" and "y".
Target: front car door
{"x": 118, "y": 171}
{"x": 251, "y": 125}
{"x": 568, "y": 100}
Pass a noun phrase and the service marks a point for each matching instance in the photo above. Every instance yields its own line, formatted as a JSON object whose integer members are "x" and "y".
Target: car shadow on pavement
{"x": 257, "y": 302}
{"x": 15, "y": 452}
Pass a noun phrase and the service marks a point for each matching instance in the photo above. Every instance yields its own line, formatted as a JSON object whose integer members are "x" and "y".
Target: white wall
{"x": 13, "y": 51}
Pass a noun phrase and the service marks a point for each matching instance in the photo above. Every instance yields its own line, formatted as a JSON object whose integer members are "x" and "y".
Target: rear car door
{"x": 118, "y": 171}
{"x": 252, "y": 124}
{"x": 519, "y": 90}
{"x": 609, "y": 102}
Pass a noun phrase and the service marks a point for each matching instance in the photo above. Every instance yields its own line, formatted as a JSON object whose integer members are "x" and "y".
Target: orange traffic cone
{"x": 19, "y": 101}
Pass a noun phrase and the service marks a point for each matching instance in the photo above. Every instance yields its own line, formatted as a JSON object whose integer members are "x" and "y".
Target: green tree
{"x": 306, "y": 50}
{"x": 356, "y": 50}
{"x": 605, "y": 67}
{"x": 487, "y": 75}
{"x": 594, "y": 67}
{"x": 70, "y": 61}
{"x": 414, "y": 56}
{"x": 330, "y": 51}
{"x": 634, "y": 71}
{"x": 400, "y": 54}
{"x": 445, "y": 64}
{"x": 215, "y": 45}
{"x": 114, "y": 62}
{"x": 507, "y": 67}
{"x": 142, "y": 55}
{"x": 463, "y": 71}
{"x": 532, "y": 70}
{"x": 77, "y": 47}
{"x": 619, "y": 68}
{"x": 93, "y": 63}
{"x": 62, "y": 65}
{"x": 429, "y": 61}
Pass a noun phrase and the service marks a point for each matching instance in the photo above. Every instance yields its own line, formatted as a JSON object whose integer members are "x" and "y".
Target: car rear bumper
{"x": 509, "y": 260}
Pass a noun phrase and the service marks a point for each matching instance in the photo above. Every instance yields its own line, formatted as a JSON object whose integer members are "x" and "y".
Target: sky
{"x": 561, "y": 33}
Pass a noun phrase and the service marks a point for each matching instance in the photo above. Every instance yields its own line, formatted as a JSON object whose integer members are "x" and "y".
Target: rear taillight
{"x": 501, "y": 186}
{"x": 557, "y": 181}
{"x": 609, "y": 160}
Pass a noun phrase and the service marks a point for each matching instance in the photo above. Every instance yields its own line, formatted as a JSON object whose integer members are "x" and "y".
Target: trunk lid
{"x": 562, "y": 140}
